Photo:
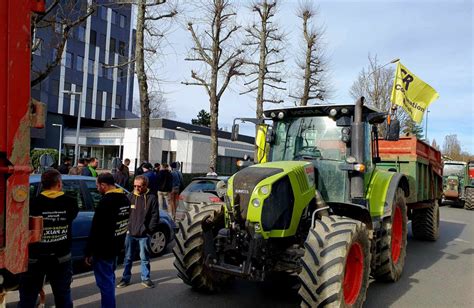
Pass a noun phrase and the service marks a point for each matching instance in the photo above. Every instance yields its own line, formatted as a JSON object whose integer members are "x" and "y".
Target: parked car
{"x": 201, "y": 190}
{"x": 83, "y": 189}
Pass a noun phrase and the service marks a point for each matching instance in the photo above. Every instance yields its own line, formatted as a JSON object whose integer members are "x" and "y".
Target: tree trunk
{"x": 307, "y": 72}
{"x": 142, "y": 83}
{"x": 214, "y": 107}
{"x": 262, "y": 64}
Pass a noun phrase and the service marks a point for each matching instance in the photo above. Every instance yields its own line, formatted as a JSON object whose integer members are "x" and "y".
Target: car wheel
{"x": 158, "y": 242}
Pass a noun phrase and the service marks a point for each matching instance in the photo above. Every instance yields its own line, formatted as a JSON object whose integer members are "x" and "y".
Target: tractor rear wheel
{"x": 394, "y": 241}
{"x": 425, "y": 223}
{"x": 469, "y": 199}
{"x": 190, "y": 247}
{"x": 336, "y": 264}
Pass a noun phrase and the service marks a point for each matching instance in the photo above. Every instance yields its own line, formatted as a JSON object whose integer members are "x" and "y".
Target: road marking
{"x": 454, "y": 221}
{"x": 461, "y": 240}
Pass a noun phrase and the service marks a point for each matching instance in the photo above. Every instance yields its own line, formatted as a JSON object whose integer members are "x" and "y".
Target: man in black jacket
{"x": 144, "y": 219}
{"x": 107, "y": 236}
{"x": 52, "y": 256}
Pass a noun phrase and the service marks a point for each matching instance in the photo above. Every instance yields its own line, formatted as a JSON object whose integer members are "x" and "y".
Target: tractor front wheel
{"x": 191, "y": 240}
{"x": 336, "y": 264}
{"x": 394, "y": 241}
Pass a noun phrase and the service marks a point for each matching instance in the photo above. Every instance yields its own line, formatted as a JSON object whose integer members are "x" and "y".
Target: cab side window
{"x": 73, "y": 189}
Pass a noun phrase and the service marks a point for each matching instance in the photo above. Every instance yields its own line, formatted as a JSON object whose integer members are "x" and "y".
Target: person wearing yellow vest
{"x": 90, "y": 170}
{"x": 51, "y": 257}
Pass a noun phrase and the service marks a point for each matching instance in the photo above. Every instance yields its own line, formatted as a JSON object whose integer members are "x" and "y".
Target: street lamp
{"x": 76, "y": 146}
{"x": 187, "y": 140}
{"x": 426, "y": 129}
{"x": 380, "y": 67}
{"x": 60, "y": 140}
{"x": 121, "y": 141}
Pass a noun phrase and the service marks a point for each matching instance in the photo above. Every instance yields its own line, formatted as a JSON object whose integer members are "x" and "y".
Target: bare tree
{"x": 375, "y": 84}
{"x": 60, "y": 18}
{"x": 145, "y": 16}
{"x": 313, "y": 65}
{"x": 159, "y": 107}
{"x": 265, "y": 43}
{"x": 452, "y": 147}
{"x": 220, "y": 59}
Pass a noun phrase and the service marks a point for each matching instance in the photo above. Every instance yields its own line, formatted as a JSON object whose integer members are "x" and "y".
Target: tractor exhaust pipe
{"x": 357, "y": 150}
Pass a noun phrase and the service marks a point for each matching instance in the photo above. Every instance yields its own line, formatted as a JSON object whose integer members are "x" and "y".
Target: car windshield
{"x": 200, "y": 185}
{"x": 453, "y": 169}
{"x": 308, "y": 137}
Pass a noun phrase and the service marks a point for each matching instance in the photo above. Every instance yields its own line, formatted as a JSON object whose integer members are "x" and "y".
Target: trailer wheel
{"x": 469, "y": 201}
{"x": 190, "y": 245}
{"x": 394, "y": 241}
{"x": 336, "y": 264}
{"x": 425, "y": 223}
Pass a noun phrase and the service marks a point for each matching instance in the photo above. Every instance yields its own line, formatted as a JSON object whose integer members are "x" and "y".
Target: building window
{"x": 81, "y": 34}
{"x": 101, "y": 69}
{"x": 122, "y": 48}
{"x": 123, "y": 20}
{"x": 112, "y": 45}
{"x": 93, "y": 38}
{"x": 38, "y": 47}
{"x": 69, "y": 60}
{"x": 67, "y": 86}
{"x": 103, "y": 13}
{"x": 90, "y": 67}
{"x": 79, "y": 63}
{"x": 99, "y": 98}
{"x": 118, "y": 101}
{"x": 114, "y": 17}
{"x": 110, "y": 73}
{"x": 54, "y": 87}
{"x": 89, "y": 96}
{"x": 102, "y": 41}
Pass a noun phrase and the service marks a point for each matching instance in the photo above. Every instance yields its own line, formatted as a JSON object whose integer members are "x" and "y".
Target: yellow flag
{"x": 412, "y": 93}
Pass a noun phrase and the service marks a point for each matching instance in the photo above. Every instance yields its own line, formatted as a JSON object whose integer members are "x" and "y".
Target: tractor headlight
{"x": 264, "y": 190}
{"x": 256, "y": 202}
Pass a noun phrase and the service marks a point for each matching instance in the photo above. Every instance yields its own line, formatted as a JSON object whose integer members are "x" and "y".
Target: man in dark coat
{"x": 65, "y": 166}
{"x": 52, "y": 256}
{"x": 107, "y": 236}
{"x": 152, "y": 178}
{"x": 144, "y": 219}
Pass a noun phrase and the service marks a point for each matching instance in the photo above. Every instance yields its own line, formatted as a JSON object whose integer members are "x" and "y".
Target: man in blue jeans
{"x": 107, "y": 236}
{"x": 144, "y": 219}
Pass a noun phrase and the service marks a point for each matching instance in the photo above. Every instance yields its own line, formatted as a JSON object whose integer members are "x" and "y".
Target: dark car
{"x": 83, "y": 189}
{"x": 201, "y": 190}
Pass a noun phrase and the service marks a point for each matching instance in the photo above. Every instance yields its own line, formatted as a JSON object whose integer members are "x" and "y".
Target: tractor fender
{"x": 352, "y": 210}
{"x": 398, "y": 180}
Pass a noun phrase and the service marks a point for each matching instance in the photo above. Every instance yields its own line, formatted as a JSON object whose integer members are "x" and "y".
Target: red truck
{"x": 17, "y": 115}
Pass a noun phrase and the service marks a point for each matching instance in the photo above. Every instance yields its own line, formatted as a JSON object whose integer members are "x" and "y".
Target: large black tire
{"x": 336, "y": 264}
{"x": 189, "y": 249}
{"x": 469, "y": 198}
{"x": 425, "y": 223}
{"x": 394, "y": 241}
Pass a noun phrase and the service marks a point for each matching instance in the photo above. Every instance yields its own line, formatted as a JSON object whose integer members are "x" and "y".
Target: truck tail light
{"x": 215, "y": 199}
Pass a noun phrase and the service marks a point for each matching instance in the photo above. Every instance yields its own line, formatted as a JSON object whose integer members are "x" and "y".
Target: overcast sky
{"x": 433, "y": 39}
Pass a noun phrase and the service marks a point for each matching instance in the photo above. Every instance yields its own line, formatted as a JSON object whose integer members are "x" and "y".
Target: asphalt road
{"x": 436, "y": 274}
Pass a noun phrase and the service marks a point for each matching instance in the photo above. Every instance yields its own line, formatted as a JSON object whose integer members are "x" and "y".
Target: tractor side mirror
{"x": 235, "y": 132}
{"x": 392, "y": 130}
{"x": 270, "y": 137}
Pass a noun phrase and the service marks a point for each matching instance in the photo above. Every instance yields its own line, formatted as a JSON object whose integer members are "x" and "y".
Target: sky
{"x": 432, "y": 38}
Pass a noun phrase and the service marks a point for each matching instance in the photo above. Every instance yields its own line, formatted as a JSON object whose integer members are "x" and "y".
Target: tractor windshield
{"x": 308, "y": 138}
{"x": 453, "y": 169}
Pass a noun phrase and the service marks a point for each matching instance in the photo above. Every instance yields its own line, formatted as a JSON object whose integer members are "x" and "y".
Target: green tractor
{"x": 319, "y": 208}
{"x": 458, "y": 184}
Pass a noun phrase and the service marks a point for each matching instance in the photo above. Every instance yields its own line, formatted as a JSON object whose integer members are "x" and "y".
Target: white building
{"x": 169, "y": 141}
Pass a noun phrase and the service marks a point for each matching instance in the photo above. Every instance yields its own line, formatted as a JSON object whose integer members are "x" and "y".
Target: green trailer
{"x": 422, "y": 165}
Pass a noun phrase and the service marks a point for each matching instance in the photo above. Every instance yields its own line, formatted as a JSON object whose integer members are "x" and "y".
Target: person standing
{"x": 177, "y": 185}
{"x": 65, "y": 166}
{"x": 107, "y": 236}
{"x": 165, "y": 184}
{"x": 120, "y": 177}
{"x": 152, "y": 177}
{"x": 90, "y": 170}
{"x": 126, "y": 170}
{"x": 211, "y": 172}
{"x": 143, "y": 222}
{"x": 77, "y": 170}
{"x": 51, "y": 257}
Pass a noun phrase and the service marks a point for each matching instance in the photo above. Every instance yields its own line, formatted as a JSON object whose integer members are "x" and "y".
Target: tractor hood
{"x": 266, "y": 194}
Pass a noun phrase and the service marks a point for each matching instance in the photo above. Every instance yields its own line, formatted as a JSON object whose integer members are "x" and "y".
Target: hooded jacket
{"x": 144, "y": 214}
{"x": 58, "y": 211}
